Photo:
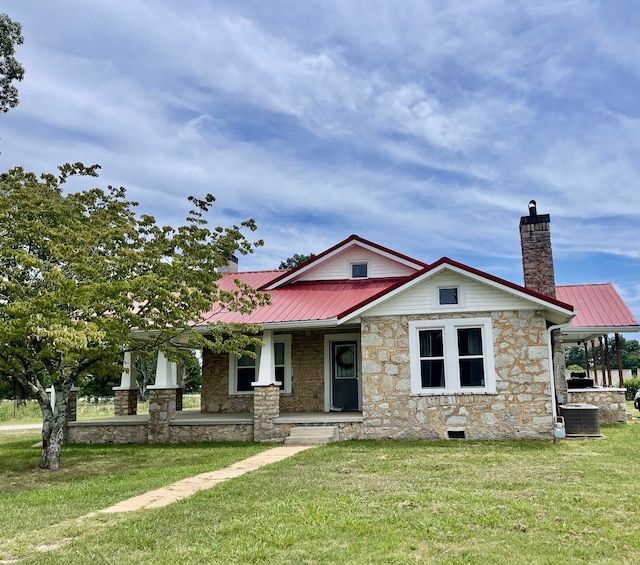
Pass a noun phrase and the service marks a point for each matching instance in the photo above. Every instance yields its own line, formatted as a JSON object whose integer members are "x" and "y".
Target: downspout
{"x": 552, "y": 372}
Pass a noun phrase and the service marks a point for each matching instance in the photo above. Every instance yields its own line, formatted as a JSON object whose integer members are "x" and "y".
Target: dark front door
{"x": 344, "y": 375}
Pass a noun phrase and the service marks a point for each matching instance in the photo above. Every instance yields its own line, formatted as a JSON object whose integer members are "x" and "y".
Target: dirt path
{"x": 166, "y": 495}
{"x": 187, "y": 487}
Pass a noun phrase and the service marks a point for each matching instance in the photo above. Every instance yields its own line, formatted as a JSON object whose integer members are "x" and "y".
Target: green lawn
{"x": 576, "y": 501}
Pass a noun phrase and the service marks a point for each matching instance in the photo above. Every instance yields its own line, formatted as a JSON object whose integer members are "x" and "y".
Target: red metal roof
{"x": 304, "y": 301}
{"x": 598, "y": 305}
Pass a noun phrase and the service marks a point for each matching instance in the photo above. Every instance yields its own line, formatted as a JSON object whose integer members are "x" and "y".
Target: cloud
{"x": 425, "y": 126}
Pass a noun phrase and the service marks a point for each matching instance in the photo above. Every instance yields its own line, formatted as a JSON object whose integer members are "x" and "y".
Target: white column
{"x": 266, "y": 368}
{"x": 128, "y": 379}
{"x": 166, "y": 373}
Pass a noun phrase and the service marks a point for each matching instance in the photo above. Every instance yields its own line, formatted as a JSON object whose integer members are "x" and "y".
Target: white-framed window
{"x": 449, "y": 297}
{"x": 448, "y": 356}
{"x": 244, "y": 370}
{"x": 359, "y": 270}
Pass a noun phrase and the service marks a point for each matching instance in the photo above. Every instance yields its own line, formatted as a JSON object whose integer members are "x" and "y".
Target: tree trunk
{"x": 54, "y": 421}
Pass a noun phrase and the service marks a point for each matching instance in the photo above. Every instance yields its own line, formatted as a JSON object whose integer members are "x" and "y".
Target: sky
{"x": 425, "y": 126}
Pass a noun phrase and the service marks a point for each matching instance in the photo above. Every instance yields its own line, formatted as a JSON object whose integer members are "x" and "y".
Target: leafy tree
{"x": 80, "y": 271}
{"x": 294, "y": 261}
{"x": 10, "y": 69}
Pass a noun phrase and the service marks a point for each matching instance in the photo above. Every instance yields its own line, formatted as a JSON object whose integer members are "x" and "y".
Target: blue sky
{"x": 425, "y": 126}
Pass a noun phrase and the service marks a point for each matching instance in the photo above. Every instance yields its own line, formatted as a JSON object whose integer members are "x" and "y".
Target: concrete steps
{"x": 311, "y": 435}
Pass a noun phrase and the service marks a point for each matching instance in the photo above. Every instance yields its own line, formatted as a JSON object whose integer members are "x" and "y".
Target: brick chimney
{"x": 537, "y": 257}
{"x": 230, "y": 267}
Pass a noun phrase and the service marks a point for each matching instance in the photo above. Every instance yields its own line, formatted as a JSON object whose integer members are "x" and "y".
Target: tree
{"x": 294, "y": 261}
{"x": 82, "y": 277}
{"x": 10, "y": 69}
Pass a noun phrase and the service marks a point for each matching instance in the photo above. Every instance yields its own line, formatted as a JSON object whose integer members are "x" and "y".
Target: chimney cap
{"x": 534, "y": 217}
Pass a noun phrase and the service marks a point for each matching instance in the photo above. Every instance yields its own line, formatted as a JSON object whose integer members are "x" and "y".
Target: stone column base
{"x": 72, "y": 405}
{"x": 266, "y": 408}
{"x": 126, "y": 402}
{"x": 162, "y": 409}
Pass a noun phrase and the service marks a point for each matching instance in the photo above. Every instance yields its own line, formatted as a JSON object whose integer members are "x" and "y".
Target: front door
{"x": 344, "y": 375}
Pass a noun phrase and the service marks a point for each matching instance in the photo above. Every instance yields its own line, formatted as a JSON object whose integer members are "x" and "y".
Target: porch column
{"x": 619, "y": 358}
{"x": 72, "y": 402}
{"x": 180, "y": 389}
{"x": 126, "y": 395}
{"x": 162, "y": 400}
{"x": 266, "y": 393}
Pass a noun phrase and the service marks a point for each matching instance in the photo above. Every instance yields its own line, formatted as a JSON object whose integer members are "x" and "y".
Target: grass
{"x": 575, "y": 501}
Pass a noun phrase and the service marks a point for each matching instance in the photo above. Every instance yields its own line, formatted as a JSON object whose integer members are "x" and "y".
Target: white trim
{"x": 233, "y": 368}
{"x": 557, "y": 311}
{"x": 462, "y": 297}
{"x": 351, "y": 264}
{"x": 449, "y": 329}
{"x": 329, "y": 339}
{"x": 166, "y": 373}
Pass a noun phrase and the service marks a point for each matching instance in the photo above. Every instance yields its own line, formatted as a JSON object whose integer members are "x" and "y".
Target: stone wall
{"x": 307, "y": 373}
{"x": 346, "y": 430}
{"x": 185, "y": 433}
{"x": 520, "y": 408}
{"x": 126, "y": 402}
{"x": 215, "y": 397}
{"x": 307, "y": 379}
{"x": 610, "y": 402}
{"x": 162, "y": 409}
{"x": 138, "y": 433}
{"x": 106, "y": 433}
{"x": 266, "y": 408}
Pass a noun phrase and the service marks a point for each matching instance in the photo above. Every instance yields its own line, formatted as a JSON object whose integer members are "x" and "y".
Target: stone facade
{"x": 307, "y": 379}
{"x": 520, "y": 408}
{"x": 185, "y": 433}
{"x": 162, "y": 409}
{"x": 126, "y": 402}
{"x": 107, "y": 433}
{"x": 346, "y": 430}
{"x": 266, "y": 408}
{"x": 612, "y": 407}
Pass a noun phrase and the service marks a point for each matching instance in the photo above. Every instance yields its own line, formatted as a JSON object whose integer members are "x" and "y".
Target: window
{"x": 244, "y": 371}
{"x": 448, "y": 295}
{"x": 451, "y": 356}
{"x": 359, "y": 271}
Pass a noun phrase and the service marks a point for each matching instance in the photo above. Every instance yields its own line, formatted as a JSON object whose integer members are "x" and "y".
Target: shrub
{"x": 633, "y": 385}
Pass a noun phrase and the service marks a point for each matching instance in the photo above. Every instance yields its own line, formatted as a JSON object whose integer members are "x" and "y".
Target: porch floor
{"x": 197, "y": 418}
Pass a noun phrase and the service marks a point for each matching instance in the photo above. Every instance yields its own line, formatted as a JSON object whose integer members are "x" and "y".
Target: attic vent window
{"x": 448, "y": 295}
{"x": 359, "y": 271}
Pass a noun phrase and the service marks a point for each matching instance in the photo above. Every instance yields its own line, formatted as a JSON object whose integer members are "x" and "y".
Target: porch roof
{"x": 302, "y": 301}
{"x": 600, "y": 310}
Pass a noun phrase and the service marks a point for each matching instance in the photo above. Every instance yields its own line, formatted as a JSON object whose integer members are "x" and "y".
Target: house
{"x": 373, "y": 344}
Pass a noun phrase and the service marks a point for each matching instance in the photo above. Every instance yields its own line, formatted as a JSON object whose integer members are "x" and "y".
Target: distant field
{"x": 10, "y": 413}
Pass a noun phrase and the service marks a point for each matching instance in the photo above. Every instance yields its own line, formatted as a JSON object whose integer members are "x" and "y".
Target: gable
{"x": 338, "y": 267}
{"x": 473, "y": 296}
{"x": 335, "y": 264}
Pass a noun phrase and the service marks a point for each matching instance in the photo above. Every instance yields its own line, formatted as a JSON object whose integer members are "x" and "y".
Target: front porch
{"x": 195, "y": 426}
